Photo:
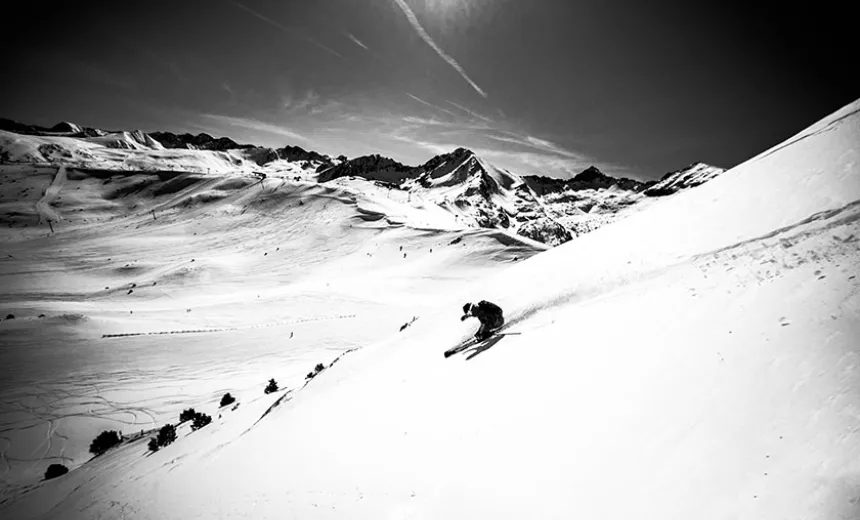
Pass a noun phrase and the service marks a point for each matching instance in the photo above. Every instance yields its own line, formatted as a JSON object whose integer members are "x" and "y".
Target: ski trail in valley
{"x": 43, "y": 205}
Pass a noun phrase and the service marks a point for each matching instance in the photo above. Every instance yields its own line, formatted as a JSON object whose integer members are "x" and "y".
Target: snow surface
{"x": 301, "y": 271}
{"x": 697, "y": 359}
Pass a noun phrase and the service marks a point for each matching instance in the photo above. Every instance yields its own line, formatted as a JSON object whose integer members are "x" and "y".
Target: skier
{"x": 489, "y": 314}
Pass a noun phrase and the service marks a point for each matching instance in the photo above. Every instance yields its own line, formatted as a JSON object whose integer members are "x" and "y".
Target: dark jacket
{"x": 488, "y": 313}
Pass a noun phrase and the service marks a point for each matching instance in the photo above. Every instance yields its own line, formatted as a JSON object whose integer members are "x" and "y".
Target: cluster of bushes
{"x": 317, "y": 369}
{"x": 187, "y": 415}
{"x": 166, "y": 435}
{"x": 200, "y": 420}
{"x": 105, "y": 441}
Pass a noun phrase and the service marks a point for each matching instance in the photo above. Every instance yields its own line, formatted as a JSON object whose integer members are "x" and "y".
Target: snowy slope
{"x": 698, "y": 359}
{"x": 249, "y": 261}
{"x": 693, "y": 175}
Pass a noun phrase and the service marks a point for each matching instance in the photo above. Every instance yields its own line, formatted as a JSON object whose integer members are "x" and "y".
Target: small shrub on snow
{"x": 227, "y": 399}
{"x": 187, "y": 415}
{"x": 55, "y": 470}
{"x": 153, "y": 445}
{"x": 271, "y": 387}
{"x": 317, "y": 369}
{"x": 200, "y": 420}
{"x": 166, "y": 435}
{"x": 105, "y": 441}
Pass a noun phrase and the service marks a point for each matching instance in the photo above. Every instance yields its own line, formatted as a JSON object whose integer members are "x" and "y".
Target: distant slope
{"x": 136, "y": 140}
{"x": 261, "y": 155}
{"x": 63, "y": 128}
{"x": 693, "y": 175}
{"x": 467, "y": 187}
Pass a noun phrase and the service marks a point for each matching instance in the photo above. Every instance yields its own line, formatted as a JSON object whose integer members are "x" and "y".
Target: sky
{"x": 546, "y": 87}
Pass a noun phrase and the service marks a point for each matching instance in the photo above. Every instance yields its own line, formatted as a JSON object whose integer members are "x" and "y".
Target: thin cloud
{"x": 283, "y": 28}
{"x": 471, "y": 113}
{"x": 356, "y": 41}
{"x": 423, "y": 121}
{"x": 526, "y": 163}
{"x": 413, "y": 20}
{"x": 253, "y": 124}
{"x": 307, "y": 102}
{"x": 431, "y": 105}
{"x": 442, "y": 126}
{"x": 435, "y": 148}
{"x": 537, "y": 144}
{"x": 537, "y": 163}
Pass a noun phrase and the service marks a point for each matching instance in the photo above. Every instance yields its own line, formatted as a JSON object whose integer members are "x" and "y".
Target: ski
{"x": 462, "y": 347}
{"x": 474, "y": 341}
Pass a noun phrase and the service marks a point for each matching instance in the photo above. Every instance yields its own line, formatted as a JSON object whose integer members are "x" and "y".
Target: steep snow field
{"x": 697, "y": 359}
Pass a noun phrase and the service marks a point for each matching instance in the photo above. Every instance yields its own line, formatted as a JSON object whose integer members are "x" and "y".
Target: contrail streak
{"x": 426, "y": 37}
{"x": 281, "y": 27}
{"x": 356, "y": 41}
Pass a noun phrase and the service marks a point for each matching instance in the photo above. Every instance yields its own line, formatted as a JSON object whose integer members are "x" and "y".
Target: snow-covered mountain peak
{"x": 67, "y": 127}
{"x": 693, "y": 175}
{"x": 590, "y": 174}
{"x": 463, "y": 167}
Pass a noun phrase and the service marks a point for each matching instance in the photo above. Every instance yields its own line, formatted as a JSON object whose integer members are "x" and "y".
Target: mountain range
{"x": 472, "y": 190}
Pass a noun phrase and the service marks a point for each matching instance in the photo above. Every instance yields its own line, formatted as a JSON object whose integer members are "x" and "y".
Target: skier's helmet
{"x": 467, "y": 308}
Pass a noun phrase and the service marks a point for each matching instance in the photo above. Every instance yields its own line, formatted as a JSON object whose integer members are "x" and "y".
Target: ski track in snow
{"x": 43, "y": 206}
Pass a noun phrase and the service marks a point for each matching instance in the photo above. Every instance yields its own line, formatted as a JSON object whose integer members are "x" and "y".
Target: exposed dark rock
{"x": 297, "y": 153}
{"x": 457, "y": 155}
{"x": 589, "y": 179}
{"x": 545, "y": 230}
{"x": 371, "y": 167}
{"x": 200, "y": 141}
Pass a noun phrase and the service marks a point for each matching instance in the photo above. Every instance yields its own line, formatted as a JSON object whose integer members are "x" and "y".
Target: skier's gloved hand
{"x": 463, "y": 317}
